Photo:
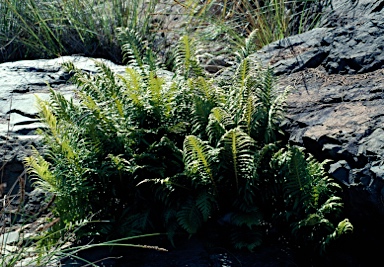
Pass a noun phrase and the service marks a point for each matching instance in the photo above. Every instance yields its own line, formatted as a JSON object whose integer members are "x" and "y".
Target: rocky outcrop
{"x": 335, "y": 109}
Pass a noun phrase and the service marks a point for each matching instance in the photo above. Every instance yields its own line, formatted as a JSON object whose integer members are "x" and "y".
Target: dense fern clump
{"x": 142, "y": 152}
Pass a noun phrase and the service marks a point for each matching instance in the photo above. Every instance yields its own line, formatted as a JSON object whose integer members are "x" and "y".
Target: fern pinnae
{"x": 239, "y": 145}
{"x": 155, "y": 88}
{"x": 186, "y": 62}
{"x": 249, "y": 114}
{"x": 219, "y": 121}
{"x": 242, "y": 73}
{"x": 189, "y": 217}
{"x": 204, "y": 202}
{"x": 40, "y": 168}
{"x": 223, "y": 118}
{"x": 132, "y": 85}
{"x": 197, "y": 157}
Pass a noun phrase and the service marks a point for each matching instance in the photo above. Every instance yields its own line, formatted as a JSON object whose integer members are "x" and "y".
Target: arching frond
{"x": 185, "y": 59}
{"x": 250, "y": 46}
{"x": 344, "y": 227}
{"x": 189, "y": 217}
{"x": 219, "y": 122}
{"x": 204, "y": 202}
{"x": 237, "y": 152}
{"x": 136, "y": 51}
{"x": 199, "y": 159}
{"x": 37, "y": 166}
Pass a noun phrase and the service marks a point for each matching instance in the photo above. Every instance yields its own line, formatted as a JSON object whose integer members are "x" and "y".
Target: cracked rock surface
{"x": 335, "y": 109}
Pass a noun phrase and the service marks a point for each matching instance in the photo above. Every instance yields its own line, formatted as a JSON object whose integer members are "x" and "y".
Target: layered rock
{"x": 335, "y": 109}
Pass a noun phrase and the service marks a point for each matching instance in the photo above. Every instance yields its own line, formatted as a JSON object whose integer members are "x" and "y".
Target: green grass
{"x": 46, "y": 29}
{"x": 43, "y": 29}
{"x": 272, "y": 20}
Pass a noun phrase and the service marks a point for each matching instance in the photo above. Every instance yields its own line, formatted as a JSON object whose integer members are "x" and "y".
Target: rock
{"x": 335, "y": 109}
{"x": 349, "y": 40}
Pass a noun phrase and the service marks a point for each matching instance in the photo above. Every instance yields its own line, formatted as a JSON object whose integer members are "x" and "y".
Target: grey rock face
{"x": 348, "y": 41}
{"x": 336, "y": 109}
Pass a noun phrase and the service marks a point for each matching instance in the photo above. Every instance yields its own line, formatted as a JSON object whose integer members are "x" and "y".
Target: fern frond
{"x": 219, "y": 122}
{"x": 250, "y": 219}
{"x": 249, "y": 46}
{"x": 132, "y": 82}
{"x": 199, "y": 159}
{"x": 238, "y": 153}
{"x": 189, "y": 217}
{"x": 242, "y": 73}
{"x": 37, "y": 166}
{"x": 204, "y": 202}
{"x": 155, "y": 89}
{"x": 246, "y": 239}
{"x": 344, "y": 227}
{"x": 249, "y": 116}
{"x": 185, "y": 59}
{"x": 297, "y": 185}
{"x": 332, "y": 205}
{"x": 136, "y": 51}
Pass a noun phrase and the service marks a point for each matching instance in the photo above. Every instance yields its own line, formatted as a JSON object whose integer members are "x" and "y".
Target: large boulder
{"x": 335, "y": 109}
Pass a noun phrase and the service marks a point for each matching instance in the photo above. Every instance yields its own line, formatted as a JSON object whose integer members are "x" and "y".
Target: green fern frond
{"x": 242, "y": 73}
{"x": 205, "y": 96}
{"x": 63, "y": 108}
{"x": 199, "y": 159}
{"x": 332, "y": 205}
{"x": 249, "y": 115}
{"x": 185, "y": 59}
{"x": 275, "y": 115}
{"x": 249, "y": 46}
{"x": 222, "y": 117}
{"x": 250, "y": 219}
{"x": 37, "y": 166}
{"x": 132, "y": 83}
{"x": 219, "y": 122}
{"x": 238, "y": 153}
{"x": 205, "y": 89}
{"x": 344, "y": 227}
{"x": 246, "y": 239}
{"x": 298, "y": 180}
{"x": 155, "y": 89}
{"x": 136, "y": 51}
{"x": 48, "y": 117}
{"x": 200, "y": 115}
{"x": 204, "y": 201}
{"x": 189, "y": 217}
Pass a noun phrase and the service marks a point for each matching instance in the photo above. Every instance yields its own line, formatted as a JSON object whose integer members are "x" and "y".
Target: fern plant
{"x": 141, "y": 152}
{"x": 311, "y": 202}
{"x": 121, "y": 133}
